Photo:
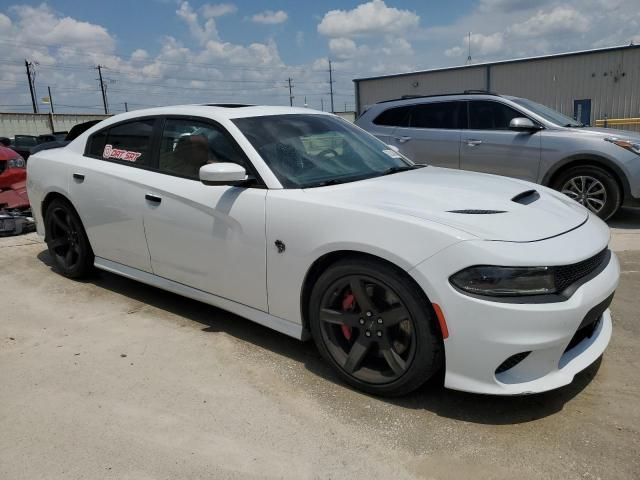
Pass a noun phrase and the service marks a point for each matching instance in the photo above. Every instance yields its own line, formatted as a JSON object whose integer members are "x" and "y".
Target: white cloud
{"x": 217, "y": 10}
{"x": 269, "y": 17}
{"x": 201, "y": 32}
{"x": 372, "y": 18}
{"x": 561, "y": 19}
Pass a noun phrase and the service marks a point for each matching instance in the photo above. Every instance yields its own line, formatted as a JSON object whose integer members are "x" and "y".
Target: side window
{"x": 484, "y": 115}
{"x": 187, "y": 145}
{"x": 443, "y": 115}
{"x": 130, "y": 142}
{"x": 394, "y": 117}
{"x": 126, "y": 142}
{"x": 97, "y": 143}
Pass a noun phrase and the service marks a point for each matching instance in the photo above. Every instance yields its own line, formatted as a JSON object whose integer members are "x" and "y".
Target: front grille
{"x": 512, "y": 361}
{"x": 567, "y": 275}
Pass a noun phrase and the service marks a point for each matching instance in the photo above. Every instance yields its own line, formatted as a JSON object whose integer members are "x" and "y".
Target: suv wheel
{"x": 593, "y": 187}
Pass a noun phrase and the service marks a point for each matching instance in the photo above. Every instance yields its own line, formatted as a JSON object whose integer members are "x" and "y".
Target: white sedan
{"x": 304, "y": 223}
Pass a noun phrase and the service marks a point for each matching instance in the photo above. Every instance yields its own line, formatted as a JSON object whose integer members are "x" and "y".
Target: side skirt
{"x": 278, "y": 324}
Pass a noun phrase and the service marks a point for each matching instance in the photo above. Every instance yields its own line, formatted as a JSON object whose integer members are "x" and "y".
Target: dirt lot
{"x": 114, "y": 379}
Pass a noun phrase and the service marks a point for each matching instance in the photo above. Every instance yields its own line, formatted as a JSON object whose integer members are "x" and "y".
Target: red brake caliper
{"x": 348, "y": 302}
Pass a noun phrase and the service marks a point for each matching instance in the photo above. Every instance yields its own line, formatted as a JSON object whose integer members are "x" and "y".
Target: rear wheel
{"x": 67, "y": 241}
{"x": 593, "y": 187}
{"x": 375, "y": 327}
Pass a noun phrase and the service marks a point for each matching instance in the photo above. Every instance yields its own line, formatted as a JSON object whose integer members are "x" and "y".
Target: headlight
{"x": 17, "y": 162}
{"x": 626, "y": 144}
{"x": 505, "y": 281}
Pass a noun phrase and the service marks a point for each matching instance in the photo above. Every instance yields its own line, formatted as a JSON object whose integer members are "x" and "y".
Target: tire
{"x": 400, "y": 355}
{"x": 580, "y": 182}
{"x": 67, "y": 240}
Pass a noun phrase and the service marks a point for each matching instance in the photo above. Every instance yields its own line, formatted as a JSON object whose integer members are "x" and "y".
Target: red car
{"x": 12, "y": 168}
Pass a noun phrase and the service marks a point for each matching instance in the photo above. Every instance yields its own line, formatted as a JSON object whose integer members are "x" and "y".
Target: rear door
{"x": 432, "y": 135}
{"x": 108, "y": 188}
{"x": 489, "y": 146}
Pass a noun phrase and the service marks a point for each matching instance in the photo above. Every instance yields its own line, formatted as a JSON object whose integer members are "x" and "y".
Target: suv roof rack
{"x": 466, "y": 92}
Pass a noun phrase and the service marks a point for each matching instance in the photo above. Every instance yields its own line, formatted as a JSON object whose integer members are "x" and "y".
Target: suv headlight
{"x": 505, "y": 281}
{"x": 17, "y": 162}
{"x": 626, "y": 144}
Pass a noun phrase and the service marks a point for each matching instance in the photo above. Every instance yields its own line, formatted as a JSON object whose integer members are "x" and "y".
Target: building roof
{"x": 502, "y": 62}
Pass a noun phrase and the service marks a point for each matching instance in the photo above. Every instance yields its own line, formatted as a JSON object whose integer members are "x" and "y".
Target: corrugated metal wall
{"x": 610, "y": 79}
{"x": 12, "y": 124}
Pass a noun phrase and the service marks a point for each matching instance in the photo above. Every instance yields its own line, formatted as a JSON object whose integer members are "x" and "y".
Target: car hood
{"x": 466, "y": 201}
{"x": 607, "y": 132}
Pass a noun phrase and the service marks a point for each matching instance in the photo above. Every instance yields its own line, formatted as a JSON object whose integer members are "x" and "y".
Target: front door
{"x": 489, "y": 146}
{"x": 207, "y": 237}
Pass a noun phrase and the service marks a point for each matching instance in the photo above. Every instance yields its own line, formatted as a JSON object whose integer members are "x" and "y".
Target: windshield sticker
{"x": 392, "y": 153}
{"x": 126, "y": 155}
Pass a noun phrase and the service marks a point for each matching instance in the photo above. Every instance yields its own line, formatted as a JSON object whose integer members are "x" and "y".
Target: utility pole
{"x": 50, "y": 100}
{"x": 469, "y": 57}
{"x": 104, "y": 94}
{"x": 290, "y": 93}
{"x": 32, "y": 90}
{"x": 331, "y": 85}
{"x": 126, "y": 107}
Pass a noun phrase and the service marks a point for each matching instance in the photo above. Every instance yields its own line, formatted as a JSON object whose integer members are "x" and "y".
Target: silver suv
{"x": 516, "y": 137}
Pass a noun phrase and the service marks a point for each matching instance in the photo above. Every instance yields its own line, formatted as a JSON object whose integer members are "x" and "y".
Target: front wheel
{"x": 66, "y": 240}
{"x": 375, "y": 327}
{"x": 593, "y": 187}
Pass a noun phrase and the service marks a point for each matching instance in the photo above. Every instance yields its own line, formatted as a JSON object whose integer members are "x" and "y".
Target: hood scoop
{"x": 477, "y": 212}
{"x": 526, "y": 197}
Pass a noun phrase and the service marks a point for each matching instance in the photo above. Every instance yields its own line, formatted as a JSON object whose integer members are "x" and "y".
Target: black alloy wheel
{"x": 375, "y": 328}
{"x": 67, "y": 241}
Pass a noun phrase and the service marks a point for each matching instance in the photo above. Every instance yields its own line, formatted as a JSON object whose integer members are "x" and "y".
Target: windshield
{"x": 307, "y": 150}
{"x": 547, "y": 113}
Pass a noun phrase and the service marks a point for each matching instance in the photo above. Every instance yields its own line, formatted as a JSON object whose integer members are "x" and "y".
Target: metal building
{"x": 593, "y": 86}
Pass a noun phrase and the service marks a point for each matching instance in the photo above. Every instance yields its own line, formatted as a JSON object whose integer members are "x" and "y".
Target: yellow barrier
{"x": 611, "y": 122}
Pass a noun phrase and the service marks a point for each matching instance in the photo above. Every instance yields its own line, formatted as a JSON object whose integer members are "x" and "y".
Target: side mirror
{"x": 522, "y": 124}
{"x": 222, "y": 174}
{"x": 394, "y": 148}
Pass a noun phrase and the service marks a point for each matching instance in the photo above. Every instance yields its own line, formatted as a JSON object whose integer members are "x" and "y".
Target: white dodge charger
{"x": 304, "y": 223}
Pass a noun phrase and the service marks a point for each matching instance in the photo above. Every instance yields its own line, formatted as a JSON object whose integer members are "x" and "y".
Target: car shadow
{"x": 432, "y": 397}
{"x": 626, "y": 218}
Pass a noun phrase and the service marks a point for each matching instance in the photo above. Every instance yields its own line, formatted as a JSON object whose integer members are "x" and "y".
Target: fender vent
{"x": 477, "y": 212}
{"x": 525, "y": 198}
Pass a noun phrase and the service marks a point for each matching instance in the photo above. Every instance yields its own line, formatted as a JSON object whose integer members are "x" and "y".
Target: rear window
{"x": 127, "y": 142}
{"x": 394, "y": 117}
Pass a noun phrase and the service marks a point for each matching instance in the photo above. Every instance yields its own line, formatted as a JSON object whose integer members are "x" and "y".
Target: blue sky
{"x": 160, "y": 52}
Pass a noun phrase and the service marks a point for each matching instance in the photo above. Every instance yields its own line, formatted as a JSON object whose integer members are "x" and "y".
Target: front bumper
{"x": 483, "y": 334}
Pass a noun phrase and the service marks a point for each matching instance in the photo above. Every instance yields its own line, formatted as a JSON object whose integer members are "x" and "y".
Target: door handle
{"x": 153, "y": 198}
{"x": 472, "y": 142}
{"x": 403, "y": 139}
{"x": 79, "y": 177}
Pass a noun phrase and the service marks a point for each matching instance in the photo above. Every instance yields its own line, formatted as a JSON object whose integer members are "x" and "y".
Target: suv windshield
{"x": 307, "y": 150}
{"x": 547, "y": 113}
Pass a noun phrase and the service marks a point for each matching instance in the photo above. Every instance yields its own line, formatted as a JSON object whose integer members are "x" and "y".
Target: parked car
{"x": 60, "y": 139}
{"x": 304, "y": 223}
{"x": 515, "y": 137}
{"x": 23, "y": 144}
{"x": 12, "y": 168}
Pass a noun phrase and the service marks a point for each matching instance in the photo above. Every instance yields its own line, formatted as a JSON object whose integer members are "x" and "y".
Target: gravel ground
{"x": 113, "y": 379}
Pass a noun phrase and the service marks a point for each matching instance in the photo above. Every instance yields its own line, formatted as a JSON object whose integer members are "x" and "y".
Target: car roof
{"x": 217, "y": 111}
